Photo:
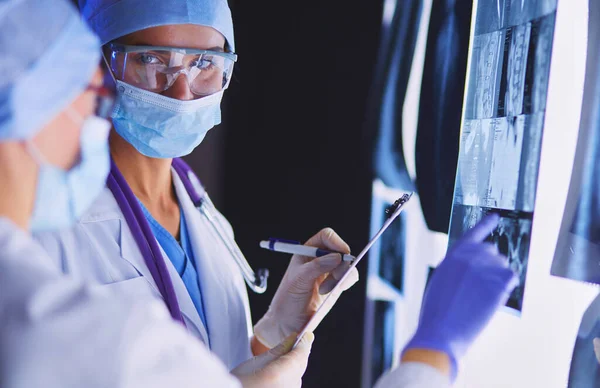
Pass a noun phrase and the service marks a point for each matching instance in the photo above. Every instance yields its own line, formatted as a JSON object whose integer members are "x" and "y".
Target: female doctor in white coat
{"x": 153, "y": 230}
{"x": 56, "y": 331}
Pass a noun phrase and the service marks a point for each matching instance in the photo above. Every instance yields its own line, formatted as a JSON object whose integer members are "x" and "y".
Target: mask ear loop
{"x": 35, "y": 153}
{"x": 75, "y": 116}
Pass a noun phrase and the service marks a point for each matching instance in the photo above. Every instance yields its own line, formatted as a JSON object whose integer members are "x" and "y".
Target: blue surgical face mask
{"x": 63, "y": 196}
{"x": 163, "y": 127}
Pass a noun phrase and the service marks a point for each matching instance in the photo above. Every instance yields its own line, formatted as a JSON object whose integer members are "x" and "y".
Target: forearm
{"x": 414, "y": 375}
{"x": 436, "y": 359}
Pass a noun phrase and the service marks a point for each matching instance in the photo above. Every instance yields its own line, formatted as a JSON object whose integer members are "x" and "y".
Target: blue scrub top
{"x": 182, "y": 257}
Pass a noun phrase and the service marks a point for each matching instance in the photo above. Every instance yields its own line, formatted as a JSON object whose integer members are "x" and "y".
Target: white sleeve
{"x": 413, "y": 375}
{"x": 57, "y": 332}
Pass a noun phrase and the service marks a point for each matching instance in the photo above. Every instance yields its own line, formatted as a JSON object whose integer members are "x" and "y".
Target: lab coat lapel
{"x": 219, "y": 293}
{"x": 131, "y": 253}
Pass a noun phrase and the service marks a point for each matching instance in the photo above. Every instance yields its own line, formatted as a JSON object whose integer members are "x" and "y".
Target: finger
{"x": 350, "y": 280}
{"x": 485, "y": 259}
{"x": 302, "y": 350}
{"x": 306, "y": 342}
{"x": 336, "y": 275}
{"x": 490, "y": 248}
{"x": 482, "y": 230}
{"x": 320, "y": 266}
{"x": 328, "y": 239}
{"x": 497, "y": 273}
{"x": 474, "y": 250}
{"x": 283, "y": 358}
{"x": 508, "y": 281}
{"x": 284, "y": 347}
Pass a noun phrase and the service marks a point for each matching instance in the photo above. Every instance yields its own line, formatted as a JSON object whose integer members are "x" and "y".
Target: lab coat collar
{"x": 216, "y": 276}
{"x": 107, "y": 208}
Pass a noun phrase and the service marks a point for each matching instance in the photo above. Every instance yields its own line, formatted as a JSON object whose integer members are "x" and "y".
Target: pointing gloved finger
{"x": 511, "y": 280}
{"x": 479, "y": 250}
{"x": 496, "y": 273}
{"x": 470, "y": 251}
{"x": 487, "y": 259}
{"x": 507, "y": 282}
{"x": 482, "y": 230}
{"x": 328, "y": 239}
{"x": 490, "y": 248}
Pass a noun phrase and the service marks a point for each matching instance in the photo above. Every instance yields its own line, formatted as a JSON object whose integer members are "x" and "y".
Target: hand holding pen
{"x": 308, "y": 280}
{"x": 296, "y": 248}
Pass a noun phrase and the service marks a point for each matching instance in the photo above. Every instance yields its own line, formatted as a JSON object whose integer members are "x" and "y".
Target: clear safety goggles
{"x": 156, "y": 68}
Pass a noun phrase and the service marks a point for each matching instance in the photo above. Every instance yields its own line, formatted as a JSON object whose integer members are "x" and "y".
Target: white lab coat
{"x": 57, "y": 332}
{"x": 101, "y": 249}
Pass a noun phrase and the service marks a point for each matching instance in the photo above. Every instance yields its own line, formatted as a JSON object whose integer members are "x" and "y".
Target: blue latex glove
{"x": 465, "y": 291}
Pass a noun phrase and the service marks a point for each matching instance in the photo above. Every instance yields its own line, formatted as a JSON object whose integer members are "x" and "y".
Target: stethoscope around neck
{"x": 140, "y": 229}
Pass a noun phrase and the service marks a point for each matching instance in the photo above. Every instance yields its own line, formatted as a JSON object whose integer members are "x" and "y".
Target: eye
{"x": 148, "y": 59}
{"x": 203, "y": 63}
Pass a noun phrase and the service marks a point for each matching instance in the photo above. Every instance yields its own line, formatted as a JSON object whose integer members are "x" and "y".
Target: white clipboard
{"x": 318, "y": 316}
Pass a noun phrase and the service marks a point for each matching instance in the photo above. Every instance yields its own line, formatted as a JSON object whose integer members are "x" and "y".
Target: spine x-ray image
{"x": 503, "y": 125}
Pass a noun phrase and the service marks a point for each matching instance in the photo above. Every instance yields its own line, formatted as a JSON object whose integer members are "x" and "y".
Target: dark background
{"x": 293, "y": 154}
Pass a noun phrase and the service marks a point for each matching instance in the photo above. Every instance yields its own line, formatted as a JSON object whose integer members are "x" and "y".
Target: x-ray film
{"x": 503, "y": 124}
{"x": 530, "y": 160}
{"x": 577, "y": 254}
{"x": 522, "y": 11}
{"x": 494, "y": 15}
{"x": 475, "y": 162}
{"x": 491, "y": 16}
{"x": 392, "y": 251}
{"x": 513, "y": 92}
{"x": 542, "y": 33}
{"x": 499, "y": 162}
{"x": 506, "y": 163}
{"x": 486, "y": 67}
{"x": 383, "y": 343}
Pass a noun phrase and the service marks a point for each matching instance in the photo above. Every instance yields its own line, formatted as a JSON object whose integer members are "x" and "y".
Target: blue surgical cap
{"x": 48, "y": 56}
{"x": 112, "y": 19}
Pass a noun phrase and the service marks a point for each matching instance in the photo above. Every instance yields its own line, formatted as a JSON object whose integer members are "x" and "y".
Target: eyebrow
{"x": 145, "y": 43}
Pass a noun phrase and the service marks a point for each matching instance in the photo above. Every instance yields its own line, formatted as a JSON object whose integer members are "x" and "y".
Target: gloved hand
{"x": 465, "y": 291}
{"x": 280, "y": 367}
{"x": 305, "y": 285}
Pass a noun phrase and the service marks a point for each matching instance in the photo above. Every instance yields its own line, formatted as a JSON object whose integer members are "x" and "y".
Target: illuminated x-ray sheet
{"x": 503, "y": 125}
{"x": 577, "y": 254}
{"x": 499, "y": 162}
